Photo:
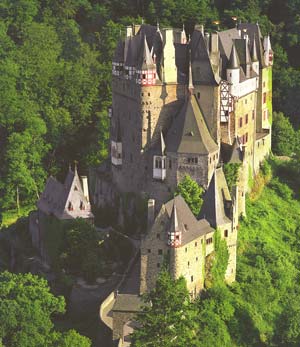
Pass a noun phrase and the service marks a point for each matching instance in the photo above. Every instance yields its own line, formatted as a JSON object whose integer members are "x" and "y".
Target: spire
{"x": 254, "y": 50}
{"x": 191, "y": 85}
{"x": 162, "y": 143}
{"x": 234, "y": 59}
{"x": 174, "y": 219}
{"x": 147, "y": 58}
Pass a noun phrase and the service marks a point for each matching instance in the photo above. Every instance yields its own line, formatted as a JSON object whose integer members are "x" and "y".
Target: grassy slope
{"x": 268, "y": 263}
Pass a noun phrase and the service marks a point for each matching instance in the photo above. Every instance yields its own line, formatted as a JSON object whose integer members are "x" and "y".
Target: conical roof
{"x": 189, "y": 132}
{"x": 234, "y": 62}
{"x": 254, "y": 51}
{"x": 147, "y": 60}
{"x": 213, "y": 208}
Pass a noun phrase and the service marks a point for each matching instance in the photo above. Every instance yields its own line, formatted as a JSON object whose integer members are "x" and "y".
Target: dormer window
{"x": 159, "y": 167}
{"x": 82, "y": 207}
{"x": 70, "y": 206}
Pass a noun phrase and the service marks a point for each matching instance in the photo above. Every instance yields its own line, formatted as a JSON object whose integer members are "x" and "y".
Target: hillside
{"x": 262, "y": 308}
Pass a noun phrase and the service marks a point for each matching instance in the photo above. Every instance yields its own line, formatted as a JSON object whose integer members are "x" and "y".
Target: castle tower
{"x": 146, "y": 71}
{"x": 255, "y": 62}
{"x": 233, "y": 68}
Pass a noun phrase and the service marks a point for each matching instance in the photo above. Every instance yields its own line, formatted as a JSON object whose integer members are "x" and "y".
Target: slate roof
{"x": 237, "y": 155}
{"x": 203, "y": 72}
{"x": 253, "y": 31}
{"x": 128, "y": 303}
{"x": 182, "y": 218}
{"x": 189, "y": 132}
{"x": 119, "y": 52}
{"x": 214, "y": 208}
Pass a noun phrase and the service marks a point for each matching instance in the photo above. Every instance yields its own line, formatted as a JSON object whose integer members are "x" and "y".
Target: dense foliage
{"x": 262, "y": 307}
{"x": 26, "y": 309}
{"x": 192, "y": 193}
{"x": 77, "y": 248}
{"x": 231, "y": 171}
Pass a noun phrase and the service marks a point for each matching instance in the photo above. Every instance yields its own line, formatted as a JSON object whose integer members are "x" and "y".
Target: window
{"x": 158, "y": 163}
{"x": 148, "y": 94}
{"x": 185, "y": 250}
{"x": 158, "y": 265}
{"x": 193, "y": 160}
{"x": 226, "y": 233}
{"x": 246, "y": 119}
{"x": 70, "y": 206}
{"x": 241, "y": 122}
{"x": 75, "y": 188}
{"x": 188, "y": 263}
{"x": 144, "y": 75}
{"x": 192, "y": 278}
{"x": 264, "y": 98}
{"x": 149, "y": 250}
{"x": 198, "y": 95}
{"x": 196, "y": 244}
{"x": 160, "y": 252}
{"x": 177, "y": 237}
{"x": 196, "y": 258}
{"x": 209, "y": 241}
{"x": 170, "y": 164}
{"x": 158, "y": 236}
{"x": 246, "y": 137}
{"x": 81, "y": 205}
{"x": 253, "y": 114}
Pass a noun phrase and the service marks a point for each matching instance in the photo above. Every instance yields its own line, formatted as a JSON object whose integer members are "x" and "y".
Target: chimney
{"x": 214, "y": 42}
{"x": 207, "y": 40}
{"x": 151, "y": 212}
{"x": 85, "y": 187}
{"x": 200, "y": 27}
{"x": 129, "y": 31}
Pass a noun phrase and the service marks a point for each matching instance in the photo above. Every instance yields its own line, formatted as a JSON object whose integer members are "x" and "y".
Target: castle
{"x": 185, "y": 106}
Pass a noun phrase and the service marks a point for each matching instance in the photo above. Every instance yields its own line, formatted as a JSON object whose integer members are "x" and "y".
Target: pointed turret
{"x": 162, "y": 143}
{"x": 191, "y": 85}
{"x": 268, "y": 52}
{"x": 174, "y": 234}
{"x": 233, "y": 69}
{"x": 255, "y": 62}
{"x": 254, "y": 50}
{"x": 248, "y": 60}
{"x": 234, "y": 62}
{"x": 146, "y": 71}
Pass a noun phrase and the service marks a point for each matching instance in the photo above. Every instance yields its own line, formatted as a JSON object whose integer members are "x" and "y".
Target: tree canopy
{"x": 26, "y": 309}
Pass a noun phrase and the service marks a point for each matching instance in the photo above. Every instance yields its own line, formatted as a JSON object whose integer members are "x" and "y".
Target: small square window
{"x": 149, "y": 250}
{"x": 158, "y": 236}
{"x": 226, "y": 233}
{"x": 160, "y": 252}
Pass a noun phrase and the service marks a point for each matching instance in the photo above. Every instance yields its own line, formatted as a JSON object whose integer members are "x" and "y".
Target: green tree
{"x": 167, "y": 319}
{"x": 192, "y": 193}
{"x": 284, "y": 137}
{"x": 26, "y": 309}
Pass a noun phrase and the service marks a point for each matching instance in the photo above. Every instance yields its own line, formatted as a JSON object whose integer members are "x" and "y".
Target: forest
{"x": 56, "y": 71}
{"x": 55, "y": 90}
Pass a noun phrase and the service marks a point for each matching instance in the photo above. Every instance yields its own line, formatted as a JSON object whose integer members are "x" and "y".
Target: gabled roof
{"x": 217, "y": 194}
{"x": 182, "y": 219}
{"x": 55, "y": 197}
{"x": 237, "y": 153}
{"x": 189, "y": 132}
